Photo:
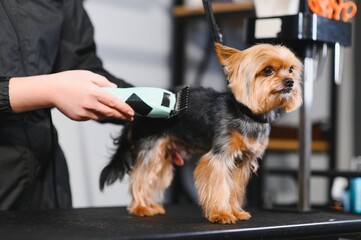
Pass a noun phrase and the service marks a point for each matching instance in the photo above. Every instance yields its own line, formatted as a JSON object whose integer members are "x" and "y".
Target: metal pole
{"x": 305, "y": 137}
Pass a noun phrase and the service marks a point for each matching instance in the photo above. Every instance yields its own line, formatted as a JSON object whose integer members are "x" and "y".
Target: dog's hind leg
{"x": 240, "y": 177}
{"x": 213, "y": 181}
{"x": 151, "y": 175}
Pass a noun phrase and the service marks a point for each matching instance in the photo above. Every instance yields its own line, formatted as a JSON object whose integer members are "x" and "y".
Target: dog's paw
{"x": 222, "y": 217}
{"x": 157, "y": 208}
{"x": 242, "y": 215}
{"x": 143, "y": 211}
{"x": 140, "y": 211}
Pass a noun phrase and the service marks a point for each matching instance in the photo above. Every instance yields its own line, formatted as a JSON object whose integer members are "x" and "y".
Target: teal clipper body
{"x": 152, "y": 102}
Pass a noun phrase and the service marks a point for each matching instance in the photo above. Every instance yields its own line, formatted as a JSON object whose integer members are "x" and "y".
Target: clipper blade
{"x": 181, "y": 102}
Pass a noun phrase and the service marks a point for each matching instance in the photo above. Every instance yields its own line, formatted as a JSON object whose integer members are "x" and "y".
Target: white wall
{"x": 133, "y": 40}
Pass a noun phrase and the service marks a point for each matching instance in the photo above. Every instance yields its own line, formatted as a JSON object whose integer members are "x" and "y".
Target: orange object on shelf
{"x": 333, "y": 9}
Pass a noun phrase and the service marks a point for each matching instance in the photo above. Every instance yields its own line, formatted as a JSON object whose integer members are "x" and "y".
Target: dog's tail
{"x": 121, "y": 162}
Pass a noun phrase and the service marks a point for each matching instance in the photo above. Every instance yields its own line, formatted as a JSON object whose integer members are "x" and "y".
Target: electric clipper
{"x": 153, "y": 102}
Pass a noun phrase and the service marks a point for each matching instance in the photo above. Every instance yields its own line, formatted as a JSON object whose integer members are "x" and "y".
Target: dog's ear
{"x": 226, "y": 54}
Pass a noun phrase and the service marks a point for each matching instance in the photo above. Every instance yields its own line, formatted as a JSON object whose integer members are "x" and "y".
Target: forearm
{"x": 77, "y": 94}
{"x": 30, "y": 93}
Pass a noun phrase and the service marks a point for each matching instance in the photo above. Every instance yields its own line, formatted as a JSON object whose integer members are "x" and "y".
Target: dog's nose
{"x": 288, "y": 82}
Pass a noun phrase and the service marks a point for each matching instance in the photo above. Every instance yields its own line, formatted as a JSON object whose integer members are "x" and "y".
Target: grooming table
{"x": 180, "y": 222}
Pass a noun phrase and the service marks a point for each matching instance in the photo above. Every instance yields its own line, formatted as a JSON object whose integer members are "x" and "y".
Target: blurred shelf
{"x": 285, "y": 138}
{"x": 186, "y": 11}
{"x": 318, "y": 173}
{"x": 283, "y": 145}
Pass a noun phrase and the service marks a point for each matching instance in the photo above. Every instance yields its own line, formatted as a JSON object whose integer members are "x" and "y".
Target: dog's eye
{"x": 291, "y": 69}
{"x": 268, "y": 71}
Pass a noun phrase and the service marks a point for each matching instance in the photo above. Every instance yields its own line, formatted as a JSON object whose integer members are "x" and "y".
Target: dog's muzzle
{"x": 288, "y": 82}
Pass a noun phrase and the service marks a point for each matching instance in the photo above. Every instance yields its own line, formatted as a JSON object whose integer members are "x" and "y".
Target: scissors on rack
{"x": 333, "y": 9}
{"x": 346, "y": 9}
{"x": 322, "y": 8}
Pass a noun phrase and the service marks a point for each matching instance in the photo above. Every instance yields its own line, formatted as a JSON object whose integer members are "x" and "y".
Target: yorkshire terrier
{"x": 230, "y": 131}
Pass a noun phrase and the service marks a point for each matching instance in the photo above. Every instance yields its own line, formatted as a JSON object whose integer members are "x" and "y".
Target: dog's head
{"x": 263, "y": 77}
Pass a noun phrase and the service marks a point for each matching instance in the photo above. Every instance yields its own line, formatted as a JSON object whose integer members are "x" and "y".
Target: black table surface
{"x": 180, "y": 222}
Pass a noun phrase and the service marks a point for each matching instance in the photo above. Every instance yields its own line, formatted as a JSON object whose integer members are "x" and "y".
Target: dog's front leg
{"x": 240, "y": 177}
{"x": 213, "y": 181}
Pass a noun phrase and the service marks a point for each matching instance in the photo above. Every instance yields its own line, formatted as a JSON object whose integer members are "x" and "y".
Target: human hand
{"x": 77, "y": 94}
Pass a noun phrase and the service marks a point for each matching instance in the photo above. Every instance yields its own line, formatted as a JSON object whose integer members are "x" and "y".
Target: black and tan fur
{"x": 230, "y": 130}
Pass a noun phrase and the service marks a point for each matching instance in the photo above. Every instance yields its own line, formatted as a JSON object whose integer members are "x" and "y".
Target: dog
{"x": 230, "y": 130}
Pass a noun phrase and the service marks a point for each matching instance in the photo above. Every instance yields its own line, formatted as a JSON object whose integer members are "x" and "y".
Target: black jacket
{"x": 39, "y": 37}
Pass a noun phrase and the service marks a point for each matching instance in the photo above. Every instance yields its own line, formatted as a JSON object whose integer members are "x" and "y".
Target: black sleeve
{"x": 77, "y": 47}
{"x": 4, "y": 94}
